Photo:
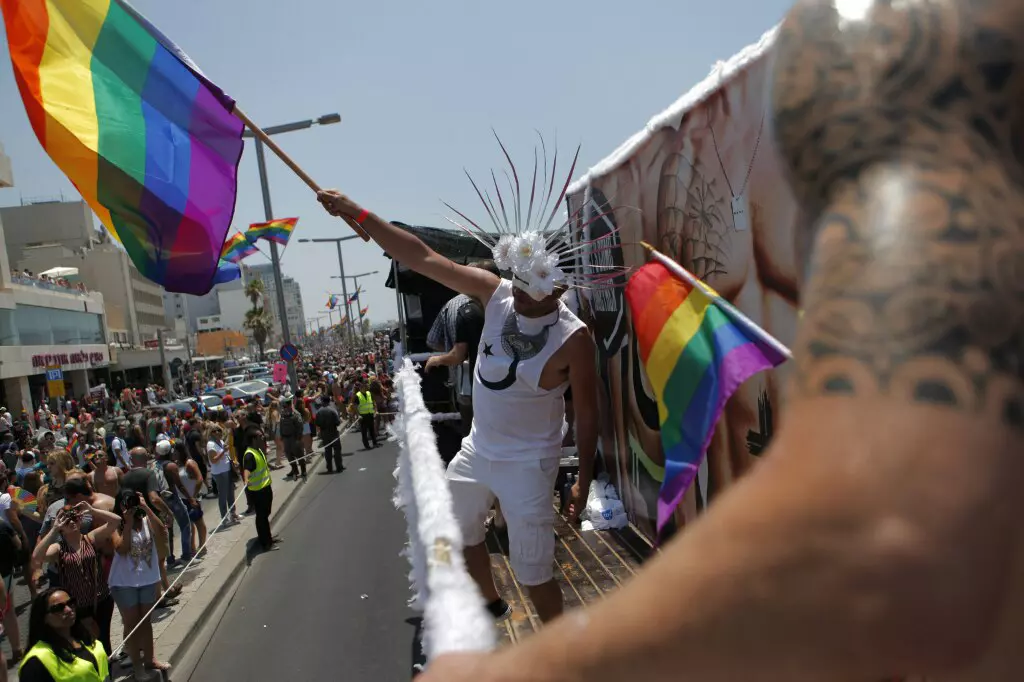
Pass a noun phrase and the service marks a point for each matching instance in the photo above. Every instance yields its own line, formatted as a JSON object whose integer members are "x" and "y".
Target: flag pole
{"x": 303, "y": 175}
{"x": 726, "y": 307}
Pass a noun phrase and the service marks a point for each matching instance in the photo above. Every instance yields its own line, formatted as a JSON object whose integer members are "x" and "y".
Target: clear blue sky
{"x": 419, "y": 86}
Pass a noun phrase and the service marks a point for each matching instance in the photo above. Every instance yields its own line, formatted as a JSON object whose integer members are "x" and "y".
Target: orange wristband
{"x": 363, "y": 215}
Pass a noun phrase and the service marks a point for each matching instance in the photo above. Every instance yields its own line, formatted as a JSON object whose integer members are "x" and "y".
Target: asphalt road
{"x": 331, "y": 602}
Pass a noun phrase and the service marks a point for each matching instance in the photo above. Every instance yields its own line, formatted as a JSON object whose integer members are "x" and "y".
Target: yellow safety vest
{"x": 77, "y": 671}
{"x": 365, "y": 402}
{"x": 260, "y": 477}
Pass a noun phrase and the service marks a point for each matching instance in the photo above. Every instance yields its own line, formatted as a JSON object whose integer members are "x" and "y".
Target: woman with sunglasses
{"x": 78, "y": 563}
{"x": 135, "y": 577}
{"x": 61, "y": 648}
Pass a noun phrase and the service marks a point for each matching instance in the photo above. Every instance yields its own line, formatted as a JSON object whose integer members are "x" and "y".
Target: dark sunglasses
{"x": 59, "y": 608}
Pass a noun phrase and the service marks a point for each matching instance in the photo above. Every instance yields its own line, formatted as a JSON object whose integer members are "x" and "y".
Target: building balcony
{"x": 56, "y": 286}
{"x": 6, "y": 174}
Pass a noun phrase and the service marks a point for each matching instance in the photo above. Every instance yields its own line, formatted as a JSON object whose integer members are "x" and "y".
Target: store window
{"x": 28, "y": 325}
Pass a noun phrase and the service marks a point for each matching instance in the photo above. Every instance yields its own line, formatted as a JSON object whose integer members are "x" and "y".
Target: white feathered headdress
{"x": 536, "y": 256}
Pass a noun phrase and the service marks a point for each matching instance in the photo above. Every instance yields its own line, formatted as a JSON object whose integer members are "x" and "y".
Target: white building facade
{"x": 45, "y": 325}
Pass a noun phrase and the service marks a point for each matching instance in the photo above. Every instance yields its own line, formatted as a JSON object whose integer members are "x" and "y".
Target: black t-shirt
{"x": 469, "y": 326}
{"x": 8, "y": 548}
{"x": 192, "y": 442}
{"x": 327, "y": 421}
{"x": 142, "y": 481}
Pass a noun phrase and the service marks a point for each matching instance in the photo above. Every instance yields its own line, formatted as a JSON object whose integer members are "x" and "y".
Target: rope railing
{"x": 454, "y": 613}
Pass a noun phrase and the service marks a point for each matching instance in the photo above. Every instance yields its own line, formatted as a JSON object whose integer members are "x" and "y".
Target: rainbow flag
{"x": 25, "y": 500}
{"x": 274, "y": 231}
{"x": 236, "y": 248}
{"x": 696, "y": 352}
{"x": 332, "y": 302}
{"x": 227, "y": 272}
{"x": 149, "y": 142}
{"x": 362, "y": 313}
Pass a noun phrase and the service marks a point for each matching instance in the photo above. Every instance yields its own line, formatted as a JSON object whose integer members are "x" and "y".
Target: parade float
{"x": 702, "y": 183}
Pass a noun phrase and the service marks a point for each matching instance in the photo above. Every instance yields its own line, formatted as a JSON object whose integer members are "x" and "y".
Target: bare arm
{"x": 413, "y": 253}
{"x": 158, "y": 503}
{"x": 46, "y": 549}
{"x": 583, "y": 380}
{"x": 452, "y": 358}
{"x": 877, "y": 536}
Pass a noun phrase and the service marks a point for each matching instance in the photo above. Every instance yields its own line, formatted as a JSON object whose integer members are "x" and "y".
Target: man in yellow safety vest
{"x": 362, "y": 399}
{"x": 256, "y": 474}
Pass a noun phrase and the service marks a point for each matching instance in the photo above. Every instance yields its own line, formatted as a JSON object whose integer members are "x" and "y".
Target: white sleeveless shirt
{"x": 514, "y": 419}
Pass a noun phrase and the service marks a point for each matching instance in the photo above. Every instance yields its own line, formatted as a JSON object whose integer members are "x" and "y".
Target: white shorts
{"x": 525, "y": 490}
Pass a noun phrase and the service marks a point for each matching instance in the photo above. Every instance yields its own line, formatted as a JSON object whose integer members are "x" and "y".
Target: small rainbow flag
{"x": 274, "y": 231}
{"x": 362, "y": 313}
{"x": 697, "y": 350}
{"x": 332, "y": 302}
{"x": 236, "y": 248}
{"x": 25, "y": 500}
{"x": 150, "y": 143}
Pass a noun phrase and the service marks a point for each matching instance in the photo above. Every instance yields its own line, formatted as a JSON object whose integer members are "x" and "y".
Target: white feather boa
{"x": 454, "y": 613}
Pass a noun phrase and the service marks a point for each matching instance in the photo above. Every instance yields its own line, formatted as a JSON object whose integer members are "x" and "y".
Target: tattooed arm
{"x": 876, "y": 537}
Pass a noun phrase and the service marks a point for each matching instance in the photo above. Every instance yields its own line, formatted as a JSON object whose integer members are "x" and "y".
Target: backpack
{"x": 157, "y": 468}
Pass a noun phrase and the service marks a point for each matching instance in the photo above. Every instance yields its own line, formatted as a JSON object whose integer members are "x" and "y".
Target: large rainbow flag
{"x": 697, "y": 350}
{"x": 279, "y": 231}
{"x": 332, "y": 302}
{"x": 149, "y": 142}
{"x": 236, "y": 248}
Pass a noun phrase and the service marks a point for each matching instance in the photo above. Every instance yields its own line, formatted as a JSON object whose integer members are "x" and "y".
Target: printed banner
{"x": 706, "y": 179}
{"x": 280, "y": 373}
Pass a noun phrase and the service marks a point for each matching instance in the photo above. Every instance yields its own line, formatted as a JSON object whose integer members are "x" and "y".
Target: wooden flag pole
{"x": 296, "y": 168}
{"x": 726, "y": 307}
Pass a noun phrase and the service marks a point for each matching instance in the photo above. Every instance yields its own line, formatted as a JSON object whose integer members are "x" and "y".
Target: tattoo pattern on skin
{"x": 692, "y": 220}
{"x": 903, "y": 134}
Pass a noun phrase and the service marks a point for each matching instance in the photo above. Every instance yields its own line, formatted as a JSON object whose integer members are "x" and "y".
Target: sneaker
{"x": 500, "y": 609}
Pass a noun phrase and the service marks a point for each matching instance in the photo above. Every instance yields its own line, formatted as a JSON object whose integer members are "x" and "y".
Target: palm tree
{"x": 254, "y": 291}
{"x": 258, "y": 322}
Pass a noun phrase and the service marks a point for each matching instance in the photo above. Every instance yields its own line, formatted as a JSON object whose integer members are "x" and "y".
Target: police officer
{"x": 363, "y": 401}
{"x": 256, "y": 474}
{"x": 291, "y": 437}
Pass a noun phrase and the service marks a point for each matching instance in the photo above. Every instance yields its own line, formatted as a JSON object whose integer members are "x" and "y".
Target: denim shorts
{"x": 130, "y": 597}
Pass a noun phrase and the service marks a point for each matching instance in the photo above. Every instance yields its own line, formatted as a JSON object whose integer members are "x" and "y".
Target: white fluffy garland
{"x": 454, "y": 614}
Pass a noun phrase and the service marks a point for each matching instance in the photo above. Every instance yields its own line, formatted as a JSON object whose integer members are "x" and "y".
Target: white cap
{"x": 163, "y": 448}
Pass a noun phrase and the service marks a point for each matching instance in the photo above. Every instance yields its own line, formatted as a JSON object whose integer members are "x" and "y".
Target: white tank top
{"x": 514, "y": 419}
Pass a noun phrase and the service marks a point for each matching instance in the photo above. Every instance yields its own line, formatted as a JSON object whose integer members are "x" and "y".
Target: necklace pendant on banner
{"x": 740, "y": 213}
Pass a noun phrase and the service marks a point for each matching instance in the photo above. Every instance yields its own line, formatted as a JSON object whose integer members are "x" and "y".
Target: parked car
{"x": 212, "y": 402}
{"x": 247, "y": 389}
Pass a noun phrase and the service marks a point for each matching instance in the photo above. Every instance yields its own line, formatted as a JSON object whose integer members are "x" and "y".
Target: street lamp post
{"x": 356, "y": 278}
{"x": 275, "y": 258}
{"x": 341, "y": 266}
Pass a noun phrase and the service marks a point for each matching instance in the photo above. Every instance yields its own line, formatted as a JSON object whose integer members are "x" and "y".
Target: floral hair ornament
{"x": 535, "y": 250}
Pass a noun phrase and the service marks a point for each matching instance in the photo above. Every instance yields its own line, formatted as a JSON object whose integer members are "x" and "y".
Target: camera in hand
{"x": 135, "y": 502}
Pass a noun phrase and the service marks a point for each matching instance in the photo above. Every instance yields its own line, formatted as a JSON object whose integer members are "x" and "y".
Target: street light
{"x": 341, "y": 266}
{"x": 275, "y": 258}
{"x": 356, "y": 278}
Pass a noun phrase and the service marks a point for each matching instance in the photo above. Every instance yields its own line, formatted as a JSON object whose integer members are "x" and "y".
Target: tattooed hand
{"x": 902, "y": 125}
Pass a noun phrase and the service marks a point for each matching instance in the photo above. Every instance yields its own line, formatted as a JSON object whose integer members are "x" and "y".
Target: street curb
{"x": 208, "y": 599}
